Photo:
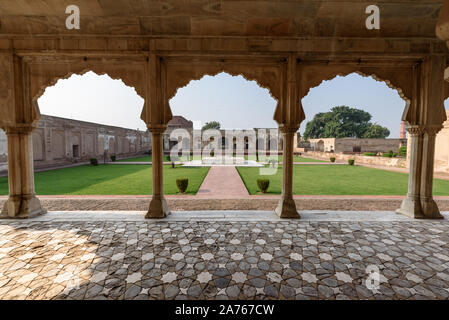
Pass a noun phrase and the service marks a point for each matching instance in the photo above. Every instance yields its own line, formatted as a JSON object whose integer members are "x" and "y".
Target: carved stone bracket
{"x": 415, "y": 130}
{"x": 432, "y": 130}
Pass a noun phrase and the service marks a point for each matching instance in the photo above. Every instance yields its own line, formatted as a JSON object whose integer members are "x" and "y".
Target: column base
{"x": 286, "y": 209}
{"x": 158, "y": 209}
{"x": 411, "y": 207}
{"x": 430, "y": 209}
{"x": 22, "y": 207}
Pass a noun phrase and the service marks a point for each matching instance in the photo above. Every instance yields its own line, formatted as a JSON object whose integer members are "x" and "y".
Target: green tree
{"x": 344, "y": 122}
{"x": 376, "y": 131}
{"x": 211, "y": 125}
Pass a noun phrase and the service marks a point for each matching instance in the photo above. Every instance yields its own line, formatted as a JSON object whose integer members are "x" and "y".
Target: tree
{"x": 344, "y": 122}
{"x": 376, "y": 131}
{"x": 211, "y": 125}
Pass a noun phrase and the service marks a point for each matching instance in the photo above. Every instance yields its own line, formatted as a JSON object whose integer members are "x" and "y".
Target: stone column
{"x": 429, "y": 207}
{"x": 22, "y": 202}
{"x": 411, "y": 205}
{"x": 158, "y": 205}
{"x": 287, "y": 207}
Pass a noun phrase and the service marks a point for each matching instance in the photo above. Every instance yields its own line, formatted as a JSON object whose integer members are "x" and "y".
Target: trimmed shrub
{"x": 351, "y": 162}
{"x": 402, "y": 152}
{"x": 263, "y": 185}
{"x": 113, "y": 157}
{"x": 94, "y": 161}
{"x": 332, "y": 159}
{"x": 370, "y": 154}
{"x": 182, "y": 184}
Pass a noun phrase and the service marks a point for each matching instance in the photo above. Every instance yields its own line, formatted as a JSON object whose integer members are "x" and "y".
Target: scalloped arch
{"x": 55, "y": 79}
{"x": 403, "y": 89}
{"x": 172, "y": 93}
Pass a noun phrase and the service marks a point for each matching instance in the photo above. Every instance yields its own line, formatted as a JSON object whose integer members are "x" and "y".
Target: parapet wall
{"x": 378, "y": 161}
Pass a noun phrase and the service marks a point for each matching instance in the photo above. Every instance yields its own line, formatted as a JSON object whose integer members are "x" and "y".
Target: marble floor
{"x": 224, "y": 255}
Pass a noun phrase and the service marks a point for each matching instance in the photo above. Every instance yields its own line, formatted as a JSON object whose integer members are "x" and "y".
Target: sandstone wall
{"x": 348, "y": 145}
{"x": 59, "y": 141}
{"x": 378, "y": 161}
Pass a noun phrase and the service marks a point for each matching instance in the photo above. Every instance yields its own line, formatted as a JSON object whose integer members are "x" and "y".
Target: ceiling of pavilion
{"x": 300, "y": 18}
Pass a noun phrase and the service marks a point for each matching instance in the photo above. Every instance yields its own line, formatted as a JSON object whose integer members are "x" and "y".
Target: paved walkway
{"x": 222, "y": 182}
{"x": 257, "y": 202}
{"x": 133, "y": 258}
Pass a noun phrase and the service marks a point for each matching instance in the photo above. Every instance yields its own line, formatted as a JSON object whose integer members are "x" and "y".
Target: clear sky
{"x": 233, "y": 101}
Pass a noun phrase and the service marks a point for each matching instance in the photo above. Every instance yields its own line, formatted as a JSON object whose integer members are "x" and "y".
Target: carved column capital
{"x": 284, "y": 128}
{"x": 20, "y": 129}
{"x": 415, "y": 130}
{"x": 157, "y": 130}
{"x": 432, "y": 130}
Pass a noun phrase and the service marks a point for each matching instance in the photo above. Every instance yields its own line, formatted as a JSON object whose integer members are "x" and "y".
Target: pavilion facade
{"x": 287, "y": 47}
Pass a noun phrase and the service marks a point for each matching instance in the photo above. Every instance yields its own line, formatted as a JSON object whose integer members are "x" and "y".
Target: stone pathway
{"x": 293, "y": 259}
{"x": 257, "y": 202}
{"x": 222, "y": 182}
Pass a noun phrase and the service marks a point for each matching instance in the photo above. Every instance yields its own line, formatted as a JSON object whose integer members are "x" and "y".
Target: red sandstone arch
{"x": 268, "y": 75}
{"x": 43, "y": 73}
{"x": 400, "y": 78}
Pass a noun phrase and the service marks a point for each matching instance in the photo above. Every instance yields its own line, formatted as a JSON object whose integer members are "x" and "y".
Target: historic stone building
{"x": 442, "y": 148}
{"x": 59, "y": 141}
{"x": 242, "y": 141}
{"x": 178, "y": 122}
{"x": 350, "y": 145}
{"x": 3, "y": 147}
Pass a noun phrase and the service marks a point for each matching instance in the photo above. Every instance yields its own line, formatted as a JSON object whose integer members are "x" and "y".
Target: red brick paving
{"x": 222, "y": 182}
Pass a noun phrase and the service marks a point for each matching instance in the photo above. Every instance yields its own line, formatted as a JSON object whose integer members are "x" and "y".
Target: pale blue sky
{"x": 233, "y": 101}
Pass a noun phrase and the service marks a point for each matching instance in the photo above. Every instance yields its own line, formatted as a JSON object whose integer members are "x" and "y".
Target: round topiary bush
{"x": 263, "y": 185}
{"x": 332, "y": 159}
{"x": 182, "y": 184}
{"x": 351, "y": 162}
{"x": 113, "y": 157}
{"x": 94, "y": 161}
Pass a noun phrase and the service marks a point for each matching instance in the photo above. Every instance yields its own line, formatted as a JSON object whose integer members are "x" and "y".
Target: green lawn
{"x": 295, "y": 159}
{"x": 145, "y": 159}
{"x": 111, "y": 180}
{"x": 338, "y": 180}
{"x": 142, "y": 159}
{"x": 167, "y": 159}
{"x": 302, "y": 159}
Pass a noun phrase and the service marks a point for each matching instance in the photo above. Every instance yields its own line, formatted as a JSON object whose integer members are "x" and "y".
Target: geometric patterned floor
{"x": 224, "y": 260}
